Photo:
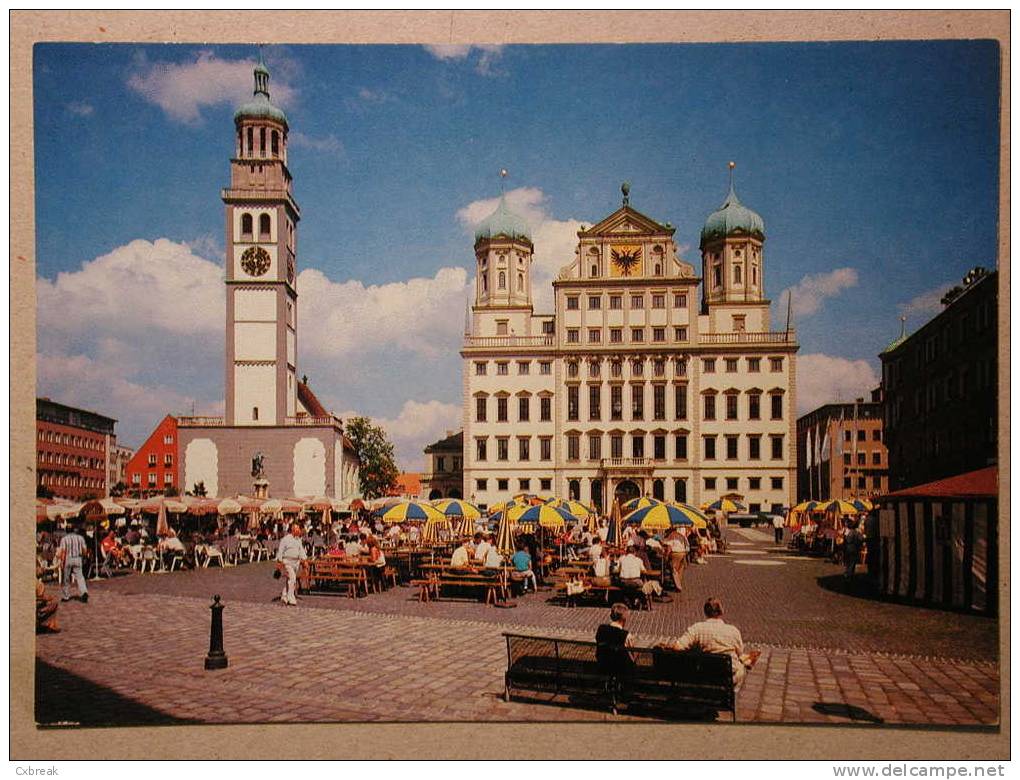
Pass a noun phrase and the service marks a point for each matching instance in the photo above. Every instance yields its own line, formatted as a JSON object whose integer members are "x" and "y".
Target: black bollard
{"x": 216, "y": 659}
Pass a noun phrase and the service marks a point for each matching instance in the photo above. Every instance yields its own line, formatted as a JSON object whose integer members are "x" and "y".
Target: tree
{"x": 378, "y": 471}
{"x": 171, "y": 492}
{"x": 41, "y": 491}
{"x": 118, "y": 490}
{"x": 198, "y": 489}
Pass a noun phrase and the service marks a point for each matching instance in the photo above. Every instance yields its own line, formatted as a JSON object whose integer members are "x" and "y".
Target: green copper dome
{"x": 732, "y": 218}
{"x": 260, "y": 107}
{"x": 503, "y": 222}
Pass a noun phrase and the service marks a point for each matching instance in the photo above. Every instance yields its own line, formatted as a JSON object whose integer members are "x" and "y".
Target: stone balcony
{"x": 751, "y": 337}
{"x": 545, "y": 340}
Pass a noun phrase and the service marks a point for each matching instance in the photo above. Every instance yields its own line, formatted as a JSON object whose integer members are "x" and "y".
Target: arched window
{"x": 502, "y": 280}
{"x": 754, "y": 275}
{"x": 262, "y": 142}
{"x": 594, "y": 271}
{"x": 485, "y": 283}
{"x": 246, "y": 225}
{"x": 680, "y": 490}
{"x": 520, "y": 282}
{"x": 658, "y": 490}
{"x": 575, "y": 489}
{"x": 251, "y": 142}
{"x": 254, "y": 413}
{"x": 658, "y": 270}
{"x": 737, "y": 275}
{"x": 276, "y": 144}
{"x": 717, "y": 276}
{"x": 240, "y": 144}
{"x": 264, "y": 225}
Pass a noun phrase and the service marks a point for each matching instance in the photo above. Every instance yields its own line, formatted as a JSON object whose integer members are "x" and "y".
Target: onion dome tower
{"x": 503, "y": 253}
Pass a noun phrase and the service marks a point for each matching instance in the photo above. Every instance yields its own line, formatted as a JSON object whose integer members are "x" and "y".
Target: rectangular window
{"x": 152, "y": 479}
{"x": 680, "y": 334}
{"x": 501, "y": 410}
{"x": 637, "y": 402}
{"x": 480, "y": 369}
{"x": 524, "y": 484}
{"x": 637, "y": 368}
{"x": 731, "y": 365}
{"x": 637, "y": 301}
{"x": 731, "y": 448}
{"x": 846, "y": 458}
{"x": 548, "y": 327}
{"x": 616, "y": 402}
{"x": 616, "y": 446}
{"x": 572, "y": 302}
{"x": 680, "y": 401}
{"x": 502, "y": 484}
{"x": 480, "y": 453}
{"x": 594, "y": 402}
{"x": 573, "y": 336}
{"x": 777, "y": 447}
{"x": 594, "y": 302}
{"x": 708, "y": 365}
{"x": 502, "y": 369}
{"x": 754, "y": 365}
{"x": 524, "y": 449}
{"x": 731, "y": 483}
{"x": 616, "y": 335}
{"x": 658, "y": 334}
{"x": 573, "y": 448}
{"x": 777, "y": 406}
{"x": 440, "y": 464}
{"x": 709, "y": 407}
{"x": 136, "y": 479}
{"x": 680, "y": 300}
{"x": 659, "y": 402}
{"x": 754, "y": 483}
{"x": 731, "y": 406}
{"x": 169, "y": 439}
{"x": 524, "y": 408}
{"x": 594, "y": 335}
{"x": 847, "y": 434}
{"x": 523, "y": 367}
{"x": 637, "y": 444}
{"x": 709, "y": 483}
{"x": 573, "y": 402}
{"x": 168, "y": 478}
{"x": 595, "y": 447}
{"x": 658, "y": 301}
{"x": 775, "y": 365}
{"x": 152, "y": 458}
{"x": 615, "y": 301}
{"x": 876, "y": 482}
{"x": 502, "y": 449}
{"x": 708, "y": 447}
{"x": 545, "y": 449}
{"x": 862, "y": 435}
{"x": 876, "y": 435}
{"x": 545, "y": 368}
{"x": 876, "y": 459}
{"x": 546, "y": 485}
{"x": 659, "y": 447}
{"x": 637, "y": 334}
{"x": 168, "y": 460}
{"x": 861, "y": 458}
{"x": 545, "y": 408}
{"x": 616, "y": 369}
{"x": 681, "y": 446}
{"x": 754, "y": 406}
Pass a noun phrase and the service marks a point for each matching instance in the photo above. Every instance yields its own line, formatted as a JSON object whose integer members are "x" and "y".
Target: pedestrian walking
{"x": 289, "y": 555}
{"x": 853, "y": 541}
{"x": 72, "y": 551}
{"x": 679, "y": 548}
{"x": 777, "y": 527}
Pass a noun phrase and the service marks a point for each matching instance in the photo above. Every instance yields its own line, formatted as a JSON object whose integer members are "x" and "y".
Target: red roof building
{"x": 983, "y": 483}
{"x": 73, "y": 448}
{"x": 153, "y": 469}
{"x": 408, "y": 485}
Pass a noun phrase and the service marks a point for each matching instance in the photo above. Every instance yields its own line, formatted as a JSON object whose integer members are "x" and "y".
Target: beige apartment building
{"x": 638, "y": 383}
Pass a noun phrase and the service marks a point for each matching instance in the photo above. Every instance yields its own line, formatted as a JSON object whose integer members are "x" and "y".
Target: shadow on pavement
{"x": 862, "y": 587}
{"x": 64, "y": 699}
{"x": 846, "y": 711}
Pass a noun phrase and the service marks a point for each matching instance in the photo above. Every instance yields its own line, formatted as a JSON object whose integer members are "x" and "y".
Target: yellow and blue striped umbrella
{"x": 807, "y": 506}
{"x": 408, "y": 510}
{"x": 838, "y": 506}
{"x": 505, "y": 537}
{"x": 725, "y": 505}
{"x": 543, "y": 514}
{"x": 696, "y": 516}
{"x": 502, "y": 506}
{"x": 863, "y": 504}
{"x": 454, "y": 507}
{"x": 576, "y": 508}
{"x": 660, "y": 517}
{"x": 639, "y": 503}
{"x": 430, "y": 532}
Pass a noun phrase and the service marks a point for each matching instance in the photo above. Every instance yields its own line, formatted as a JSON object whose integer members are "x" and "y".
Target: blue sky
{"x": 874, "y": 166}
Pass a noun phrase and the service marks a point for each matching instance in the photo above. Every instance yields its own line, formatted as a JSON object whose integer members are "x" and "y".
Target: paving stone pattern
{"x": 134, "y": 653}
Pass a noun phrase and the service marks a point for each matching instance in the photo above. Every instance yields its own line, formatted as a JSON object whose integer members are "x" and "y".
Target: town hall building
{"x": 274, "y": 430}
{"x": 636, "y": 384}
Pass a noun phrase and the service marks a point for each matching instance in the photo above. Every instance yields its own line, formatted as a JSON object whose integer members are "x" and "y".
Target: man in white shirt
{"x": 712, "y": 635}
{"x": 595, "y": 551}
{"x": 493, "y": 560}
{"x": 631, "y": 569}
{"x": 461, "y": 556}
{"x": 777, "y": 526}
{"x": 482, "y": 547}
{"x": 289, "y": 554}
{"x": 678, "y": 547}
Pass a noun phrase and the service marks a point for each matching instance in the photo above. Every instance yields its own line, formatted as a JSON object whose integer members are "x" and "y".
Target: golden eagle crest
{"x": 626, "y": 258}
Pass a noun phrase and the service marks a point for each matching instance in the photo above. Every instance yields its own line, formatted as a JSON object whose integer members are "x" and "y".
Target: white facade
{"x": 629, "y": 387}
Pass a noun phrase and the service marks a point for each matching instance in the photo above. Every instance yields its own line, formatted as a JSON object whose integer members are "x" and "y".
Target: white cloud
{"x": 417, "y": 425}
{"x": 81, "y": 108}
{"x": 825, "y": 379}
{"x": 811, "y": 291}
{"x": 488, "y": 54}
{"x": 183, "y": 89}
{"x": 555, "y": 240}
{"x": 329, "y": 145}
{"x": 926, "y": 304}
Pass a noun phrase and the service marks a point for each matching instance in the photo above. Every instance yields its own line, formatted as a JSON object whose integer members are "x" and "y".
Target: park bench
{"x": 319, "y": 573}
{"x": 440, "y": 576}
{"x": 659, "y": 678}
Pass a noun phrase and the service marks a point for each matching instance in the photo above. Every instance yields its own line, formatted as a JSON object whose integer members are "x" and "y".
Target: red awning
{"x": 983, "y": 483}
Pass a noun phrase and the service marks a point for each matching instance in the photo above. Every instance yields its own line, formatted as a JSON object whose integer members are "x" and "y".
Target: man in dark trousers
{"x": 853, "y": 542}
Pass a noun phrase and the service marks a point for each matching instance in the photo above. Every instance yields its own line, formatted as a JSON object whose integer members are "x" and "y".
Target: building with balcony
{"x": 841, "y": 452}
{"x": 275, "y": 437}
{"x": 73, "y": 450}
{"x": 940, "y": 388}
{"x": 444, "y": 467}
{"x": 636, "y": 383}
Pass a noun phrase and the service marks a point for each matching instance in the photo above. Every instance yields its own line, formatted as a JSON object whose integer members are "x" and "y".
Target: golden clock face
{"x": 255, "y": 261}
{"x": 626, "y": 260}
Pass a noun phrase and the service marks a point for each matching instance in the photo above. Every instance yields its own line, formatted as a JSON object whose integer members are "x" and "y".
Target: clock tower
{"x": 261, "y": 241}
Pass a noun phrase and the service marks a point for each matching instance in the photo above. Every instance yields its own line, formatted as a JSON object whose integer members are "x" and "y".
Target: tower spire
{"x": 732, "y": 196}
{"x": 261, "y": 76}
{"x": 503, "y": 173}
{"x": 903, "y": 325}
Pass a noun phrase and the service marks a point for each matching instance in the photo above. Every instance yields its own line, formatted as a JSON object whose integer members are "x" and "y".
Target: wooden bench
{"x": 659, "y": 679}
{"x": 321, "y": 572}
{"x": 439, "y": 576}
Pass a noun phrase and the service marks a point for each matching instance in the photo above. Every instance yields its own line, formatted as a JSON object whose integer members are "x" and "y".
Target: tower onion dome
{"x": 260, "y": 107}
{"x": 503, "y": 223}
{"x": 732, "y": 218}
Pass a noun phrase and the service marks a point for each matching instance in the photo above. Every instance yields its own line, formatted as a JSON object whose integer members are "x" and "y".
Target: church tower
{"x": 261, "y": 240}
{"x": 731, "y": 254}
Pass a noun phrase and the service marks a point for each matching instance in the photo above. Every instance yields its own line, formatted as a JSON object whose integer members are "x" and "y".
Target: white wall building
{"x": 633, "y": 385}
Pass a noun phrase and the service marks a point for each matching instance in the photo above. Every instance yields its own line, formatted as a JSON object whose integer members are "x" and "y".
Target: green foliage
{"x": 378, "y": 472}
{"x": 171, "y": 492}
{"x": 198, "y": 489}
{"x": 41, "y": 491}
{"x": 118, "y": 490}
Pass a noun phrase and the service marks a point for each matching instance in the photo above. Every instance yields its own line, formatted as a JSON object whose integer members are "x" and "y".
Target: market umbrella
{"x": 317, "y": 504}
{"x": 505, "y": 536}
{"x": 228, "y": 506}
{"x": 408, "y": 510}
{"x": 839, "y": 507}
{"x": 863, "y": 504}
{"x": 639, "y": 503}
{"x": 725, "y": 505}
{"x": 502, "y": 506}
{"x": 162, "y": 526}
{"x": 545, "y": 515}
{"x": 466, "y": 527}
{"x": 576, "y": 508}
{"x": 696, "y": 516}
{"x": 197, "y": 505}
{"x": 430, "y": 531}
{"x": 454, "y": 507}
{"x": 279, "y": 506}
{"x": 660, "y": 517}
{"x": 249, "y": 504}
{"x": 110, "y": 507}
{"x": 806, "y": 506}
{"x": 615, "y": 532}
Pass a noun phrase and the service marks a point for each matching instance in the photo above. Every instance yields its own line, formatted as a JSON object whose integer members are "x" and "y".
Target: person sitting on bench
{"x": 600, "y": 569}
{"x": 713, "y": 635}
{"x": 522, "y": 569}
{"x": 611, "y": 642}
{"x": 631, "y": 569}
{"x": 493, "y": 561}
{"x": 461, "y": 556}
